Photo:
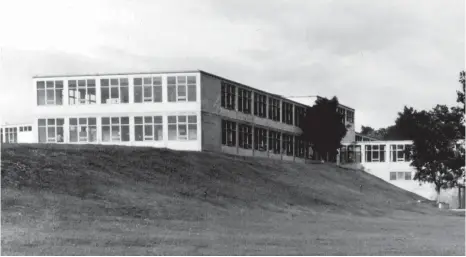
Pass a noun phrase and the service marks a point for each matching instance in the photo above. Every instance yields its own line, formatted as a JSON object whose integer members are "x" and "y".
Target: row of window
{"x": 116, "y": 90}
{"x": 264, "y": 139}
{"x": 347, "y": 115}
{"x": 25, "y": 128}
{"x": 400, "y": 175}
{"x": 117, "y": 129}
{"x": 10, "y": 134}
{"x": 376, "y": 153}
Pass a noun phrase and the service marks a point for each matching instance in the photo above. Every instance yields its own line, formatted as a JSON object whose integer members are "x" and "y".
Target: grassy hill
{"x": 68, "y": 199}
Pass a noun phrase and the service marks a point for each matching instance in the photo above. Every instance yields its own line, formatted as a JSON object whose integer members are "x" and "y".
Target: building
{"x": 186, "y": 110}
{"x": 388, "y": 161}
{"x": 16, "y": 133}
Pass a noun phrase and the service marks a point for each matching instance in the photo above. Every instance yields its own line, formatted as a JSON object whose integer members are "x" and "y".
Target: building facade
{"x": 16, "y": 133}
{"x": 191, "y": 110}
{"x": 388, "y": 161}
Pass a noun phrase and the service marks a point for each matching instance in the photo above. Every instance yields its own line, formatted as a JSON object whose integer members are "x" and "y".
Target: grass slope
{"x": 95, "y": 200}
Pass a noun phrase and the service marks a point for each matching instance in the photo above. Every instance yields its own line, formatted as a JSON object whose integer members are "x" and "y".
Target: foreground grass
{"x": 120, "y": 201}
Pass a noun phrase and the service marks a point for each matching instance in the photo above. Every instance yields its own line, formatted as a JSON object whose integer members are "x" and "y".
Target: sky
{"x": 375, "y": 56}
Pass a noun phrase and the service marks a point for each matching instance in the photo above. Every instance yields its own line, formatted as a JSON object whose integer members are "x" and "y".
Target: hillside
{"x": 63, "y": 199}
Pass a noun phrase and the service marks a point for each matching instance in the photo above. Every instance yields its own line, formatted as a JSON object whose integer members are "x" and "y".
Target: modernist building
{"x": 189, "y": 110}
{"x": 16, "y": 133}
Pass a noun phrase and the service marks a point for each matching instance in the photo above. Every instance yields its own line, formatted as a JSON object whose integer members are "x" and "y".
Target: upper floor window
{"x": 228, "y": 97}
{"x": 228, "y": 133}
{"x": 350, "y": 116}
{"x": 343, "y": 114}
{"x": 182, "y": 127}
{"x": 51, "y": 130}
{"x": 287, "y": 113}
{"x": 148, "y": 128}
{"x": 298, "y": 115}
{"x": 115, "y": 129}
{"x": 181, "y": 88}
{"x": 114, "y": 91}
{"x": 274, "y": 109}
{"x": 50, "y": 92}
{"x": 83, "y": 130}
{"x": 245, "y": 136}
{"x": 274, "y": 141}
{"x": 260, "y": 105}
{"x": 260, "y": 139}
{"x": 375, "y": 153}
{"x": 244, "y": 100}
{"x": 82, "y": 92}
{"x": 148, "y": 90}
{"x": 398, "y": 153}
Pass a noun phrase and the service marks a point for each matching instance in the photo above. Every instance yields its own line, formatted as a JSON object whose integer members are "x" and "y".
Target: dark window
{"x": 274, "y": 141}
{"x": 228, "y": 96}
{"x": 375, "y": 153}
{"x": 298, "y": 115}
{"x": 245, "y": 136}
{"x": 228, "y": 133}
{"x": 287, "y": 113}
{"x": 274, "y": 109}
{"x": 244, "y": 100}
{"x": 287, "y": 147}
{"x": 392, "y": 175}
{"x": 260, "y": 139}
{"x": 260, "y": 105}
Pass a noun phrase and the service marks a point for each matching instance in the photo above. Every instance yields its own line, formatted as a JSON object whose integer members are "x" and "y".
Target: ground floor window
{"x": 148, "y": 128}
{"x": 228, "y": 133}
{"x": 182, "y": 127}
{"x": 274, "y": 141}
{"x": 287, "y": 147}
{"x": 375, "y": 153}
{"x": 260, "y": 139}
{"x": 83, "y": 130}
{"x": 300, "y": 147}
{"x": 115, "y": 129}
{"x": 51, "y": 130}
{"x": 400, "y": 175}
{"x": 245, "y": 136}
{"x": 11, "y": 135}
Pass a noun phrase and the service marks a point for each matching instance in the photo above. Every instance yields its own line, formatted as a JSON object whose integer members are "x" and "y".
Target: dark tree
{"x": 323, "y": 127}
{"x": 367, "y": 131}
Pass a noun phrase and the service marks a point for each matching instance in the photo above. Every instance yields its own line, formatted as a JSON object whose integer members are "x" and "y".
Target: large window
{"x": 375, "y": 153}
{"x": 287, "y": 147}
{"x": 51, "y": 130}
{"x": 148, "y": 128}
{"x": 228, "y": 96}
{"x": 298, "y": 115}
{"x": 147, "y": 90}
{"x": 300, "y": 147}
{"x": 274, "y": 109}
{"x": 228, "y": 133}
{"x": 397, "y": 153}
{"x": 115, "y": 129}
{"x": 245, "y": 136}
{"x": 182, "y": 127}
{"x": 244, "y": 100}
{"x": 274, "y": 141}
{"x": 260, "y": 105}
{"x": 82, "y": 91}
{"x": 83, "y": 130}
{"x": 260, "y": 139}
{"x": 114, "y": 91}
{"x": 50, "y": 92}
{"x": 181, "y": 88}
{"x": 350, "y": 116}
{"x": 400, "y": 175}
{"x": 287, "y": 114}
{"x": 11, "y": 135}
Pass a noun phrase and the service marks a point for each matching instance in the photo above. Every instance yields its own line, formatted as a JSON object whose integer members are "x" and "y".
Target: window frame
{"x": 229, "y": 129}
{"x": 155, "y": 126}
{"x": 187, "y": 84}
{"x": 123, "y": 87}
{"x": 245, "y": 136}
{"x": 56, "y": 127}
{"x": 274, "y": 109}
{"x": 288, "y": 144}
{"x": 187, "y": 123}
{"x": 275, "y": 139}
{"x": 380, "y": 151}
{"x": 111, "y": 124}
{"x": 154, "y": 85}
{"x": 79, "y": 125}
{"x": 244, "y": 100}
{"x": 260, "y": 139}
{"x": 88, "y": 86}
{"x": 260, "y": 105}
{"x": 57, "y": 90}
{"x": 287, "y": 113}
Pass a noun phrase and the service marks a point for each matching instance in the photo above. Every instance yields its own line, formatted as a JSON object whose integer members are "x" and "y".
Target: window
{"x": 350, "y": 116}
{"x": 400, "y": 175}
{"x": 287, "y": 114}
{"x": 342, "y": 112}
{"x": 82, "y": 92}
{"x": 274, "y": 141}
{"x": 300, "y": 147}
{"x": 375, "y": 153}
{"x": 115, "y": 129}
{"x": 260, "y": 139}
{"x": 244, "y": 100}
{"x": 397, "y": 153}
{"x": 181, "y": 88}
{"x": 228, "y": 133}
{"x": 21, "y": 129}
{"x": 182, "y": 127}
{"x": 298, "y": 115}
{"x": 50, "y": 92}
{"x": 287, "y": 147}
{"x": 148, "y": 90}
{"x": 148, "y": 128}
{"x": 407, "y": 175}
{"x": 51, "y": 130}
{"x": 114, "y": 91}
{"x": 260, "y": 105}
{"x": 228, "y": 96}
{"x": 274, "y": 109}
{"x": 392, "y": 175}
{"x": 83, "y": 130}
{"x": 245, "y": 136}
{"x": 11, "y": 135}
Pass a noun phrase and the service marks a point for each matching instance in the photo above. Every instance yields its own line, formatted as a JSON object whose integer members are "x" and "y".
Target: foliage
{"x": 323, "y": 127}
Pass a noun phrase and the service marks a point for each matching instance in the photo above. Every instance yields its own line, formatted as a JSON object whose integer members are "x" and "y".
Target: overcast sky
{"x": 375, "y": 56}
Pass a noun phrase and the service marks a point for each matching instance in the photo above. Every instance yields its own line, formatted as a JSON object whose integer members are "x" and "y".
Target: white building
{"x": 16, "y": 133}
{"x": 388, "y": 161}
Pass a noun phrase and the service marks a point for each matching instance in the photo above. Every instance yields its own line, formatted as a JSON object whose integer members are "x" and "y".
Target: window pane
{"x": 114, "y": 82}
{"x": 82, "y": 121}
{"x": 92, "y": 134}
{"x": 124, "y": 95}
{"x": 171, "y": 119}
{"x": 51, "y": 133}
{"x": 40, "y": 97}
{"x": 81, "y": 83}
{"x": 40, "y": 85}
{"x": 124, "y": 120}
{"x": 157, "y": 94}
{"x": 41, "y": 122}
{"x": 192, "y": 118}
{"x": 116, "y": 133}
{"x": 90, "y": 83}
{"x": 191, "y": 80}
{"x": 73, "y": 121}
{"x": 157, "y": 119}
{"x": 138, "y": 133}
{"x": 73, "y": 134}
{"x": 59, "y": 96}
{"x": 172, "y": 132}
{"x": 148, "y": 93}
{"x": 148, "y": 119}
{"x": 157, "y": 81}
{"x": 106, "y": 133}
{"x": 148, "y": 130}
{"x": 125, "y": 133}
{"x": 192, "y": 134}
{"x": 92, "y": 121}
{"x": 50, "y": 96}
{"x": 138, "y": 120}
{"x": 192, "y": 93}
{"x": 104, "y": 83}
{"x": 114, "y": 93}
{"x": 181, "y": 118}
{"x": 407, "y": 175}
{"x": 115, "y": 120}
{"x": 105, "y": 95}
{"x": 392, "y": 175}
{"x": 182, "y": 130}
{"x": 50, "y": 121}
{"x": 171, "y": 93}
{"x": 49, "y": 84}
{"x": 124, "y": 82}
{"x": 138, "y": 94}
{"x": 42, "y": 135}
{"x": 105, "y": 121}
{"x": 137, "y": 81}
{"x": 60, "y": 137}
{"x": 181, "y": 91}
{"x": 171, "y": 80}
{"x": 147, "y": 81}
{"x": 158, "y": 132}
{"x": 181, "y": 79}
{"x": 91, "y": 95}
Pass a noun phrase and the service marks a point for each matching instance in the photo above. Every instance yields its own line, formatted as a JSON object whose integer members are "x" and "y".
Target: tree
{"x": 323, "y": 127}
{"x": 367, "y": 131}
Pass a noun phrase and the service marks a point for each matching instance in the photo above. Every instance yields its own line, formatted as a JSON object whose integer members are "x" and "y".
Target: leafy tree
{"x": 323, "y": 127}
{"x": 367, "y": 131}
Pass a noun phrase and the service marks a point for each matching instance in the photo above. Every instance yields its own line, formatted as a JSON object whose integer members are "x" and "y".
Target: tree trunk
{"x": 437, "y": 189}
